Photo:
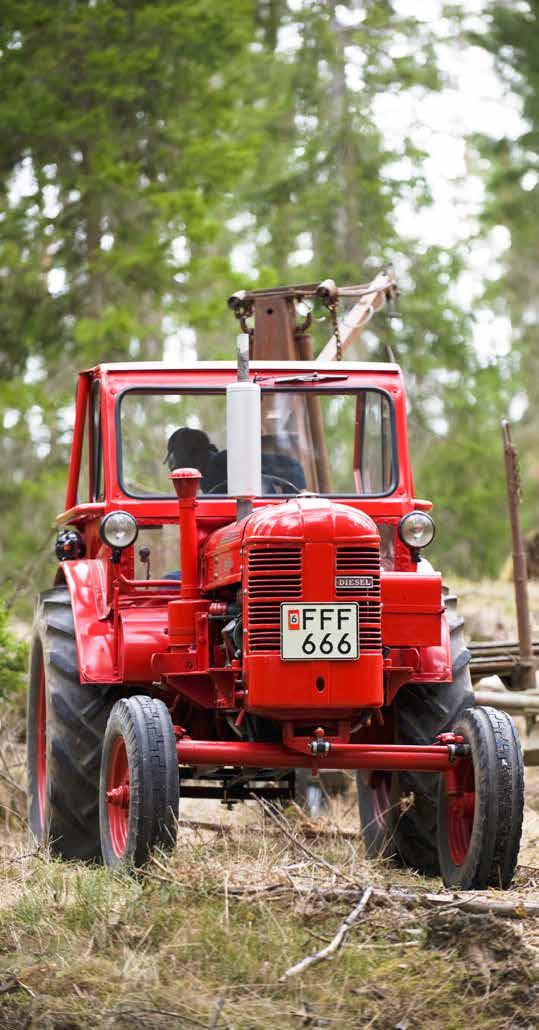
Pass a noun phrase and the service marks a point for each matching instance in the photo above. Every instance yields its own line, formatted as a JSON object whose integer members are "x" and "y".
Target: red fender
{"x": 141, "y": 633}
{"x": 436, "y": 662}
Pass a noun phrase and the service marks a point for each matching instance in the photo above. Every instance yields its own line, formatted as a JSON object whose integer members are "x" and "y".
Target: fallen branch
{"x": 307, "y": 829}
{"x": 478, "y": 906}
{"x": 517, "y": 909}
{"x": 334, "y": 944}
{"x": 199, "y": 824}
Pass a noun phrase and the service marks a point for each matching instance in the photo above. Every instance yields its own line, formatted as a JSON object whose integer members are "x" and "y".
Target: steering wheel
{"x": 267, "y": 475}
{"x": 286, "y": 482}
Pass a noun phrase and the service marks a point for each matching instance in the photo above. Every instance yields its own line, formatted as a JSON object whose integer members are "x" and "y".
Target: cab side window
{"x": 83, "y": 487}
{"x": 376, "y": 455}
{"x": 96, "y": 444}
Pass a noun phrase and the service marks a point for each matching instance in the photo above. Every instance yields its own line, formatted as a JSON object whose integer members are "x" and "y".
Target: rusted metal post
{"x": 526, "y": 671}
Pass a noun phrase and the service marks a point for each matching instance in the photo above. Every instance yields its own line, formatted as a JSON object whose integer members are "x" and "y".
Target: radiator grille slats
{"x": 275, "y": 575}
{"x": 355, "y": 562}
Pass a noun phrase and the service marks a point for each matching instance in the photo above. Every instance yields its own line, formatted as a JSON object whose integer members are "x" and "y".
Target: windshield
{"x": 327, "y": 441}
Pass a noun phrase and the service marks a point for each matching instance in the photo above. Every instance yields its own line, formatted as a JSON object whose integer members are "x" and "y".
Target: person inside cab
{"x": 189, "y": 448}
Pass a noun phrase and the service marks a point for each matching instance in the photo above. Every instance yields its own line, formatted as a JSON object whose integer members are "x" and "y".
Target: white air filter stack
{"x": 243, "y": 430}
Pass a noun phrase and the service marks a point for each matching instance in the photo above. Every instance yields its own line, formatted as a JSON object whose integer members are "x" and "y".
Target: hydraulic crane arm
{"x": 277, "y": 333}
{"x": 383, "y": 289}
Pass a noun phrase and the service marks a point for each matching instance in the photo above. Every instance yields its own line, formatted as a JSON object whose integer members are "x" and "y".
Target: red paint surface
{"x": 459, "y": 785}
{"x": 386, "y": 757}
{"x": 118, "y": 796}
{"x": 412, "y": 607}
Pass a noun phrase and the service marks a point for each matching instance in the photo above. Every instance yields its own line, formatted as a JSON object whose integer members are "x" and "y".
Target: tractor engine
{"x": 307, "y": 574}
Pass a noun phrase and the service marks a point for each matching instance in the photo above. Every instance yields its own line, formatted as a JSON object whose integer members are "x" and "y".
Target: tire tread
{"x": 76, "y": 720}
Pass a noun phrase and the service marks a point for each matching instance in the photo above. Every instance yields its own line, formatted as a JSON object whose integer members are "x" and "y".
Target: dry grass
{"x": 202, "y": 937}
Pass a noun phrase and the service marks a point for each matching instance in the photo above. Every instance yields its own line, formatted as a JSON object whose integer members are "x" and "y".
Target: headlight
{"x": 417, "y": 529}
{"x": 119, "y": 529}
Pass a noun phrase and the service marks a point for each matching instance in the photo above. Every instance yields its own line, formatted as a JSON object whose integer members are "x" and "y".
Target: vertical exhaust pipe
{"x": 186, "y": 482}
{"x": 182, "y": 614}
{"x": 243, "y": 431}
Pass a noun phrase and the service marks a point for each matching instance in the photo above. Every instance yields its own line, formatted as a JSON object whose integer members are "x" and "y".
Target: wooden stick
{"x": 514, "y": 909}
{"x": 334, "y": 944}
{"x": 307, "y": 829}
{"x": 199, "y": 824}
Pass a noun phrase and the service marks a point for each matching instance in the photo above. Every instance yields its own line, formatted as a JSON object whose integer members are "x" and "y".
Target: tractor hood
{"x": 309, "y": 518}
{"x": 303, "y": 519}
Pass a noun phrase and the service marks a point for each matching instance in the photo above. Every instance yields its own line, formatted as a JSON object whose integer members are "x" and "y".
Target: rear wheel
{"x": 65, "y": 725}
{"x": 139, "y": 784}
{"x": 398, "y": 811}
{"x": 480, "y": 804}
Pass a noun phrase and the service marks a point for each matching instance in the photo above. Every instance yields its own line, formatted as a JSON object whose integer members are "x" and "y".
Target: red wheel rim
{"x": 461, "y": 810}
{"x": 379, "y": 784}
{"x": 118, "y": 796}
{"x": 41, "y": 744}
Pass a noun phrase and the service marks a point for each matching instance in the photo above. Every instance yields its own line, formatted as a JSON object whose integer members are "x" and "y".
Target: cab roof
{"x": 149, "y": 367}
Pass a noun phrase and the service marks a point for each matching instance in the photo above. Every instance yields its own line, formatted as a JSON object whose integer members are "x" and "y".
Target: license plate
{"x": 319, "y": 631}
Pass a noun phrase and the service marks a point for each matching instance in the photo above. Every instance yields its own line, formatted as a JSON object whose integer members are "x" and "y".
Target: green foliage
{"x": 152, "y": 150}
{"x": 512, "y": 182}
{"x": 13, "y": 659}
{"x": 120, "y": 137}
{"x": 463, "y": 471}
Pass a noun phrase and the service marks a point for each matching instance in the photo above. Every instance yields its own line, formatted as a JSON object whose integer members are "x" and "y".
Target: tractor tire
{"x": 139, "y": 785}
{"x": 480, "y": 818}
{"x": 66, "y": 722}
{"x": 398, "y": 811}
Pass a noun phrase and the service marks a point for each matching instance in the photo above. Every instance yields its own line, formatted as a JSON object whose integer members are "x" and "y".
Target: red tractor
{"x": 241, "y": 594}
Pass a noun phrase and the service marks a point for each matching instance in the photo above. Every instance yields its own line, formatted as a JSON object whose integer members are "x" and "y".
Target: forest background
{"x": 155, "y": 156}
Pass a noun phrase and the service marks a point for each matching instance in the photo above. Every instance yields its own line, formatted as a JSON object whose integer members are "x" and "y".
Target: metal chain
{"x": 332, "y": 308}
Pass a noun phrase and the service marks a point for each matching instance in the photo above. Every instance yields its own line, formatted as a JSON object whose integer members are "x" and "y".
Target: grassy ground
{"x": 202, "y": 938}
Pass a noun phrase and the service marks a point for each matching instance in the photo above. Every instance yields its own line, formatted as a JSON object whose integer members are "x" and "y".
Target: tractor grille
{"x": 364, "y": 562}
{"x": 274, "y": 575}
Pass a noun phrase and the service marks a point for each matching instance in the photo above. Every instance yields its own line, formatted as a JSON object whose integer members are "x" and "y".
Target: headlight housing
{"x": 417, "y": 529}
{"x": 119, "y": 529}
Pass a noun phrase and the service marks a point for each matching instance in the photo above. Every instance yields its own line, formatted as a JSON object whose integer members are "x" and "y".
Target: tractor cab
{"x": 334, "y": 433}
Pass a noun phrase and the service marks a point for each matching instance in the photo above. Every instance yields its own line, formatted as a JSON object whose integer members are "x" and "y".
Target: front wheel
{"x": 398, "y": 811}
{"x": 480, "y": 804}
{"x": 139, "y": 783}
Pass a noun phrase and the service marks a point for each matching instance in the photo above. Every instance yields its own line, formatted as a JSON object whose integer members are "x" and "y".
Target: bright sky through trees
{"x": 158, "y": 155}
